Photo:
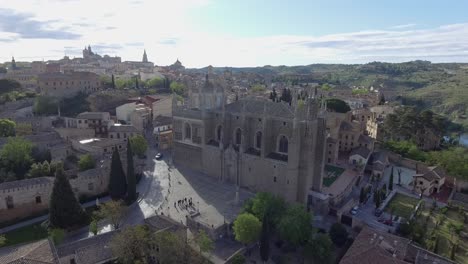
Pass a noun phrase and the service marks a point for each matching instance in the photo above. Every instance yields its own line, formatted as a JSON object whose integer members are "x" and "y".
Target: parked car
{"x": 159, "y": 156}
{"x": 354, "y": 210}
{"x": 388, "y": 222}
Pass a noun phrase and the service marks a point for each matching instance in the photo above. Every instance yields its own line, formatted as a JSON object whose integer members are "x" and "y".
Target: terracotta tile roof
{"x": 39, "y": 252}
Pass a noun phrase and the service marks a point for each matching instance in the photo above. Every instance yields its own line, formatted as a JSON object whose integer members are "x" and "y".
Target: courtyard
{"x": 332, "y": 173}
{"x": 402, "y": 205}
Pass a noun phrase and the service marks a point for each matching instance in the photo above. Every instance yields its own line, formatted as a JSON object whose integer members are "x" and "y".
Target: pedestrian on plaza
{"x": 174, "y": 204}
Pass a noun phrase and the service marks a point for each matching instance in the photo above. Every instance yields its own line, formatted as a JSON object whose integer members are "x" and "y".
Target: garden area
{"x": 440, "y": 230}
{"x": 402, "y": 205}
{"x": 333, "y": 173}
{"x": 25, "y": 234}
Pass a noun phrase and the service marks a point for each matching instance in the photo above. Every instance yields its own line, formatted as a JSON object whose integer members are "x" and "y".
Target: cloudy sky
{"x": 237, "y": 33}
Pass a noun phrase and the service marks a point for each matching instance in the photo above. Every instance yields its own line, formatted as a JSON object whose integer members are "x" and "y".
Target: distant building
{"x": 145, "y": 57}
{"x": 118, "y": 131}
{"x": 163, "y": 131}
{"x": 68, "y": 84}
{"x": 99, "y": 121}
{"x": 429, "y": 181}
{"x": 135, "y": 114}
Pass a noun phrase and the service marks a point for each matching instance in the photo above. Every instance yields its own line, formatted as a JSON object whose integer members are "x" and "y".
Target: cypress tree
{"x": 265, "y": 239}
{"x": 362, "y": 195}
{"x": 131, "y": 179}
{"x": 113, "y": 82}
{"x": 117, "y": 181}
{"x": 64, "y": 209}
{"x": 390, "y": 181}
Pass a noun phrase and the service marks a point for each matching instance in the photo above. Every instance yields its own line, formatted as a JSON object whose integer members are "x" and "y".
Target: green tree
{"x": 204, "y": 242}
{"x": 265, "y": 239}
{"x": 132, "y": 245}
{"x": 57, "y": 235}
{"x": 362, "y": 195}
{"x": 2, "y": 240}
{"x": 171, "y": 247}
{"x": 177, "y": 88}
{"x": 295, "y": 225}
{"x": 338, "y": 234}
{"x": 113, "y": 211}
{"x": 16, "y": 156}
{"x": 131, "y": 179}
{"x": 155, "y": 82}
{"x": 45, "y": 105}
{"x": 238, "y": 259}
{"x": 266, "y": 203}
{"x": 390, "y": 181}
{"x": 7, "y": 128}
{"x": 139, "y": 145}
{"x": 319, "y": 249}
{"x": 113, "y": 81}
{"x": 86, "y": 162}
{"x": 273, "y": 95}
{"x": 64, "y": 209}
{"x": 93, "y": 227}
{"x": 247, "y": 228}
{"x": 117, "y": 181}
{"x": 337, "y": 105}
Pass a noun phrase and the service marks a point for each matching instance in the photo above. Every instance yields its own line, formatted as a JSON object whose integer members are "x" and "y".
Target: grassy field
{"x": 403, "y": 205}
{"x": 332, "y": 174}
{"x": 443, "y": 227}
{"x": 25, "y": 234}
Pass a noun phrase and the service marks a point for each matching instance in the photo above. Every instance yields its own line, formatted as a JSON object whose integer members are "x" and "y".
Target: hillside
{"x": 442, "y": 87}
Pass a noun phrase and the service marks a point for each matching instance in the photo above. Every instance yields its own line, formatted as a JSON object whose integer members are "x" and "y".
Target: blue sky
{"x": 237, "y": 33}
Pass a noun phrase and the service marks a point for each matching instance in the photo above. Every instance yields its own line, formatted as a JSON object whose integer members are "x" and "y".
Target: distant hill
{"x": 442, "y": 87}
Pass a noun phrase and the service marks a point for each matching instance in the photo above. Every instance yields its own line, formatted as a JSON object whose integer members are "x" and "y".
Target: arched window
{"x": 283, "y": 145}
{"x": 218, "y": 133}
{"x": 258, "y": 140}
{"x": 238, "y": 136}
{"x": 188, "y": 131}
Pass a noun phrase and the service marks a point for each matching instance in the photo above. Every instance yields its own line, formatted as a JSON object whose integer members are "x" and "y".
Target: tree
{"x": 16, "y": 156}
{"x": 177, "y": 88}
{"x": 377, "y": 198}
{"x": 399, "y": 176}
{"x": 57, "y": 235}
{"x": 86, "y": 162}
{"x": 238, "y": 259}
{"x": 7, "y": 128}
{"x": 338, "y": 234}
{"x": 93, "y": 227}
{"x": 2, "y": 240}
{"x": 319, "y": 249}
{"x": 204, "y": 242}
{"x": 171, "y": 247}
{"x": 295, "y": 225}
{"x": 273, "y": 95}
{"x": 155, "y": 82}
{"x": 362, "y": 195}
{"x": 139, "y": 145}
{"x": 131, "y": 245}
{"x": 113, "y": 81}
{"x": 45, "y": 105}
{"x": 247, "y": 228}
{"x": 114, "y": 211}
{"x": 337, "y": 105}
{"x": 64, "y": 209}
{"x": 131, "y": 179}
{"x": 117, "y": 181}
{"x": 390, "y": 181}
{"x": 453, "y": 250}
{"x": 286, "y": 96}
{"x": 266, "y": 203}
{"x": 265, "y": 239}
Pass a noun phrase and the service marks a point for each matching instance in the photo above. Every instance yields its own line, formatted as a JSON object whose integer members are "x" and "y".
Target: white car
{"x": 354, "y": 210}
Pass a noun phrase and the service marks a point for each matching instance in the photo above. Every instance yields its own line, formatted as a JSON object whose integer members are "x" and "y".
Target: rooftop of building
{"x": 373, "y": 246}
{"x": 162, "y": 120}
{"x": 123, "y": 128}
{"x": 39, "y": 252}
{"x": 100, "y": 142}
{"x": 361, "y": 151}
{"x": 93, "y": 115}
{"x": 26, "y": 183}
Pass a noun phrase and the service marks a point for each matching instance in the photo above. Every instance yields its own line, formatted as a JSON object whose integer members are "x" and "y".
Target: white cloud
{"x": 165, "y": 30}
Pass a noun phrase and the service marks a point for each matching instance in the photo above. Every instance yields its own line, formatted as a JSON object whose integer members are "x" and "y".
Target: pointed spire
{"x": 145, "y": 57}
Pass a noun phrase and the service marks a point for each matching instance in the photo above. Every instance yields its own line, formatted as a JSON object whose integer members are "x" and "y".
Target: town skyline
{"x": 202, "y": 32}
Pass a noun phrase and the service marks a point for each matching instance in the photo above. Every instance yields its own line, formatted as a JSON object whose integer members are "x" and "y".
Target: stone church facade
{"x": 256, "y": 144}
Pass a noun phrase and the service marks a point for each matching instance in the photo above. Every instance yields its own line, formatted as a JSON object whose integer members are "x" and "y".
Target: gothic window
{"x": 258, "y": 140}
{"x": 9, "y": 202}
{"x": 38, "y": 200}
{"x": 283, "y": 145}
{"x": 238, "y": 136}
{"x": 188, "y": 132}
{"x": 218, "y": 133}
